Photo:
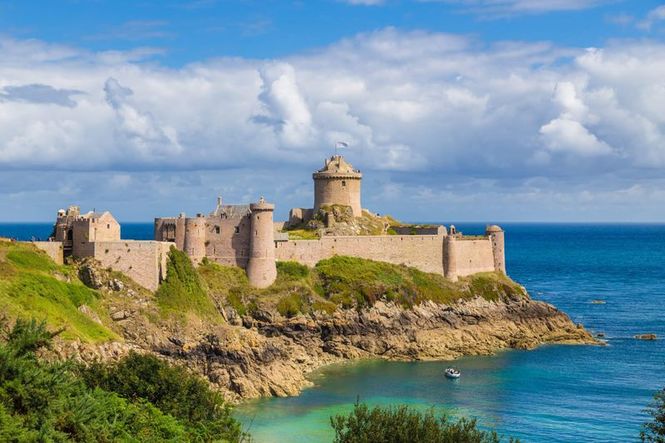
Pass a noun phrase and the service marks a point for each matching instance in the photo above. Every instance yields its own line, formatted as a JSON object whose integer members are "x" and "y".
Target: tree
{"x": 654, "y": 431}
{"x": 401, "y": 425}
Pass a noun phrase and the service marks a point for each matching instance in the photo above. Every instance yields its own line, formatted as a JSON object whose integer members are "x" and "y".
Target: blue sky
{"x": 485, "y": 110}
{"x": 190, "y": 31}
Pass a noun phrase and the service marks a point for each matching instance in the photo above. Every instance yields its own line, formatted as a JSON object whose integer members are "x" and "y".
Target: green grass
{"x": 347, "y": 282}
{"x": 31, "y": 286}
{"x": 303, "y": 234}
{"x": 182, "y": 293}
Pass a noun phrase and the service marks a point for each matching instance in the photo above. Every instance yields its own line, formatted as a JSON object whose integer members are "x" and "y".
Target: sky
{"x": 454, "y": 110}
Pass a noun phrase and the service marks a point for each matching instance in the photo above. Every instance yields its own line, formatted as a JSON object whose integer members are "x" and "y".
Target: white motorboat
{"x": 453, "y": 373}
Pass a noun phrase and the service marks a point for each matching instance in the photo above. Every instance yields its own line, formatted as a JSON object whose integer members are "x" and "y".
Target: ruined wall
{"x": 424, "y": 252}
{"x": 53, "y": 249}
{"x": 142, "y": 261}
{"x": 474, "y": 256}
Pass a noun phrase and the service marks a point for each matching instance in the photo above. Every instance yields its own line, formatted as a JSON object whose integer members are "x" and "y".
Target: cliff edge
{"x": 263, "y": 342}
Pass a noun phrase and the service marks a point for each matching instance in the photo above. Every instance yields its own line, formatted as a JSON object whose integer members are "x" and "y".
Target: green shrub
{"x": 46, "y": 401}
{"x": 171, "y": 389}
{"x": 404, "y": 425}
{"x": 182, "y": 291}
{"x": 291, "y": 270}
{"x": 290, "y": 305}
{"x": 654, "y": 430}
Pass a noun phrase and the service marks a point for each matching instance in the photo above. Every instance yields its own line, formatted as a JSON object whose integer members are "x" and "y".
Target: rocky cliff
{"x": 251, "y": 343}
{"x": 270, "y": 355}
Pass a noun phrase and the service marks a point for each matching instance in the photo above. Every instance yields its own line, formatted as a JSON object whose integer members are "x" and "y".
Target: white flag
{"x": 341, "y": 145}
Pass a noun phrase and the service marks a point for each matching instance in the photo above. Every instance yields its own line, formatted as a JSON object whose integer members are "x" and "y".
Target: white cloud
{"x": 510, "y": 7}
{"x": 426, "y": 108}
{"x": 654, "y": 16}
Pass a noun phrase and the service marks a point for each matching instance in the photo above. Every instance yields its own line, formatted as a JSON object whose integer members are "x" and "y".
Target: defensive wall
{"x": 145, "y": 262}
{"x": 53, "y": 249}
{"x": 428, "y": 253}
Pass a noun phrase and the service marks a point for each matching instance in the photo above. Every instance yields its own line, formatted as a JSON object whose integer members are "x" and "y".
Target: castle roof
{"x": 337, "y": 165}
{"x": 230, "y": 211}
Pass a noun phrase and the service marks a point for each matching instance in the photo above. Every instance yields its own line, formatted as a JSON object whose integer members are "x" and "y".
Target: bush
{"x": 654, "y": 431}
{"x": 44, "y": 401}
{"x": 290, "y": 305}
{"x": 173, "y": 390}
{"x": 291, "y": 270}
{"x": 401, "y": 424}
{"x": 182, "y": 291}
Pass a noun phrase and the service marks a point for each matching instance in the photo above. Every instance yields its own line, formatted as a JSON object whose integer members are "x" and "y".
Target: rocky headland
{"x": 250, "y": 343}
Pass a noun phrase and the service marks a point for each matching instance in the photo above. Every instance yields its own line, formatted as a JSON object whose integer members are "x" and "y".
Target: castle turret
{"x": 194, "y": 241}
{"x": 337, "y": 183}
{"x": 261, "y": 268}
{"x": 496, "y": 235}
{"x": 450, "y": 255}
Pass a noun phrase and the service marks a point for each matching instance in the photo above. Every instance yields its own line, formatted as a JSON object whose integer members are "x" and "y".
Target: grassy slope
{"x": 32, "y": 285}
{"x": 347, "y": 282}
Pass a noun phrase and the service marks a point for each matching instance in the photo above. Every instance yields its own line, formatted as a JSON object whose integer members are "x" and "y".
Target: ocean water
{"x": 552, "y": 394}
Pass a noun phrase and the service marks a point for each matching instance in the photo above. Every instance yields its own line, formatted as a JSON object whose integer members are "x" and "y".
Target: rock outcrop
{"x": 267, "y": 354}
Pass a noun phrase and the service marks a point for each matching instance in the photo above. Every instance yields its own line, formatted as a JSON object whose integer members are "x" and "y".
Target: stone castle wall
{"x": 53, "y": 249}
{"x": 474, "y": 256}
{"x": 424, "y": 252}
{"x": 142, "y": 261}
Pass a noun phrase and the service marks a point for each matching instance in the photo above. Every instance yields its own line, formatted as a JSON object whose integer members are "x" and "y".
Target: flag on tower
{"x": 341, "y": 145}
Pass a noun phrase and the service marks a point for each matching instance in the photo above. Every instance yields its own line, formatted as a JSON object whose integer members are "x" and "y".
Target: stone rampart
{"x": 474, "y": 256}
{"x": 142, "y": 261}
{"x": 424, "y": 252}
{"x": 53, "y": 249}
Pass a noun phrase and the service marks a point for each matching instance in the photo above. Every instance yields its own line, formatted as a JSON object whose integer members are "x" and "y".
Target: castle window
{"x": 217, "y": 230}
{"x": 108, "y": 226}
{"x": 237, "y": 229}
{"x": 343, "y": 183}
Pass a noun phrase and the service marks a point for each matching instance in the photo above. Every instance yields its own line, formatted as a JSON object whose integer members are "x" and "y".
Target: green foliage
{"x": 44, "y": 401}
{"x": 291, "y": 270}
{"x": 290, "y": 305}
{"x": 401, "y": 424}
{"x": 31, "y": 285}
{"x": 171, "y": 389}
{"x": 182, "y": 291}
{"x": 303, "y": 234}
{"x": 352, "y": 281}
{"x": 654, "y": 430}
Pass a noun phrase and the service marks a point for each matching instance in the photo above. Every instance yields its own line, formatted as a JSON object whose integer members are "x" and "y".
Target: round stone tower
{"x": 497, "y": 237}
{"x": 195, "y": 238}
{"x": 450, "y": 255}
{"x": 261, "y": 268}
{"x": 337, "y": 183}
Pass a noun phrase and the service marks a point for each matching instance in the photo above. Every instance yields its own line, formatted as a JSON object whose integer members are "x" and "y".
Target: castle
{"x": 246, "y": 236}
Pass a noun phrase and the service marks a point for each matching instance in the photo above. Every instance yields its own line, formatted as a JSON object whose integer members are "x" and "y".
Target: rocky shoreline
{"x": 270, "y": 355}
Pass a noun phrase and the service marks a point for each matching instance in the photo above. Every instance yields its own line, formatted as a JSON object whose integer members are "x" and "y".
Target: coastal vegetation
{"x": 32, "y": 285}
{"x": 348, "y": 282}
{"x": 139, "y": 399}
{"x": 182, "y": 291}
{"x": 401, "y": 424}
{"x": 654, "y": 430}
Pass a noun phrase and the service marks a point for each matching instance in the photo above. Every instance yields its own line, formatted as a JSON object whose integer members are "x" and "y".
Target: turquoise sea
{"x": 552, "y": 394}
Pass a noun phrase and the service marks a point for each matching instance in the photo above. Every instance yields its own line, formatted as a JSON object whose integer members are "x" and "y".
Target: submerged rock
{"x": 646, "y": 336}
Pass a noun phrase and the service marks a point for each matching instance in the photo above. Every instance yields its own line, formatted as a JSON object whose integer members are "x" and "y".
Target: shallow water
{"x": 553, "y": 394}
